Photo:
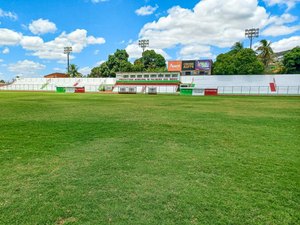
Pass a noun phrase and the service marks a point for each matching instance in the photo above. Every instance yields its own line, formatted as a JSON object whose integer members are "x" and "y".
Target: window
{"x": 125, "y": 76}
{"x": 153, "y": 76}
{"x": 139, "y": 76}
{"x": 146, "y": 76}
{"x": 132, "y": 76}
{"x": 160, "y": 75}
{"x": 167, "y": 75}
{"x": 174, "y": 75}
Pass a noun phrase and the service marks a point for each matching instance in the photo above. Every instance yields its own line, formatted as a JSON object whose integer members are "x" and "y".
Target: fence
{"x": 258, "y": 90}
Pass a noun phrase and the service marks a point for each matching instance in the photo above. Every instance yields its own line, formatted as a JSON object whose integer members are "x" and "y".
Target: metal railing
{"x": 258, "y": 90}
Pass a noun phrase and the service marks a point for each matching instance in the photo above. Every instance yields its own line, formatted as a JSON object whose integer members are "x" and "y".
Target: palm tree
{"x": 238, "y": 46}
{"x": 265, "y": 52}
{"x": 73, "y": 71}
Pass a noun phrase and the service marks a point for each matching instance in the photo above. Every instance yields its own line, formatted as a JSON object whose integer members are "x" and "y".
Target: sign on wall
{"x": 188, "y": 65}
{"x": 202, "y": 65}
{"x": 174, "y": 66}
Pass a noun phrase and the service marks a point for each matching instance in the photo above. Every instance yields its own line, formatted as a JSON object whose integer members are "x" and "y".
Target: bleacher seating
{"x": 39, "y": 84}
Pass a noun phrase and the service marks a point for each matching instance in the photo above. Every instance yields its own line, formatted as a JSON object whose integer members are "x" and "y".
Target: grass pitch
{"x": 135, "y": 159}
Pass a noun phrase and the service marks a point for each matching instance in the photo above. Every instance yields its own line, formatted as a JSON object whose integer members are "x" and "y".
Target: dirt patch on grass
{"x": 62, "y": 221}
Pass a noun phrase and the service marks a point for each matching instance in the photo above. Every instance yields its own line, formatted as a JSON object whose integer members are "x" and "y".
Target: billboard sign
{"x": 174, "y": 66}
{"x": 188, "y": 65}
{"x": 203, "y": 65}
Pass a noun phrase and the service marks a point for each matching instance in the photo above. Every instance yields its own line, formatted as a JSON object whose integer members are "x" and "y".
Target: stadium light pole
{"x": 144, "y": 43}
{"x": 68, "y": 50}
{"x": 251, "y": 34}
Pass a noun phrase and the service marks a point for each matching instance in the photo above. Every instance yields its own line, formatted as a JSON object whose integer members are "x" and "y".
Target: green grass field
{"x": 137, "y": 159}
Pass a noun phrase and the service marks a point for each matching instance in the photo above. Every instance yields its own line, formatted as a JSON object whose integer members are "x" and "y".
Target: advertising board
{"x": 174, "y": 66}
{"x": 202, "y": 65}
{"x": 188, "y": 65}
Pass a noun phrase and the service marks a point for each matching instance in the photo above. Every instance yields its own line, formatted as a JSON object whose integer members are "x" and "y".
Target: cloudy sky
{"x": 33, "y": 33}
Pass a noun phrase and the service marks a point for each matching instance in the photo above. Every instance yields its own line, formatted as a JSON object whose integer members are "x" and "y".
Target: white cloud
{"x": 283, "y": 19}
{"x": 196, "y": 52}
{"x": 26, "y": 68}
{"x": 85, "y": 70}
{"x": 99, "y": 63}
{"x": 9, "y": 37}
{"x": 78, "y": 39}
{"x": 146, "y": 10}
{"x": 135, "y": 51}
{"x": 286, "y": 44}
{"x": 10, "y": 15}
{"x": 96, "y": 52}
{"x": 1, "y": 60}
{"x": 32, "y": 43}
{"x": 280, "y": 30}
{"x": 289, "y": 3}
{"x": 5, "y": 51}
{"x": 56, "y": 69}
{"x": 42, "y": 26}
{"x": 209, "y": 23}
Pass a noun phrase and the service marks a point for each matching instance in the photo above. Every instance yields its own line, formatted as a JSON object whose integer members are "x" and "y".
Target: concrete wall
{"x": 226, "y": 84}
{"x": 247, "y": 84}
{"x": 50, "y": 84}
{"x": 241, "y": 80}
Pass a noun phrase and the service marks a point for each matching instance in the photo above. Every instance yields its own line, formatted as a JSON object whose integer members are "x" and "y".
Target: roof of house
{"x": 56, "y": 75}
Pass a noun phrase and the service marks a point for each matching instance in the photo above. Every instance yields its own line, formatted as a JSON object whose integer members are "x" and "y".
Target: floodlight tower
{"x": 68, "y": 50}
{"x": 144, "y": 44}
{"x": 251, "y": 34}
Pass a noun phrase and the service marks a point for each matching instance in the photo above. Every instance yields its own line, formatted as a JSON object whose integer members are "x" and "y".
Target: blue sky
{"x": 34, "y": 32}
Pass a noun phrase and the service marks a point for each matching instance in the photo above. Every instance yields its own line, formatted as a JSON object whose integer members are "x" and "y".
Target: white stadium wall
{"x": 226, "y": 84}
{"x": 50, "y": 84}
{"x": 247, "y": 84}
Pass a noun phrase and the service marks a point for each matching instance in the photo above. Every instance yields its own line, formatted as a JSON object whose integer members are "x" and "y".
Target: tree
{"x": 95, "y": 72}
{"x": 117, "y": 62}
{"x": 224, "y": 64}
{"x": 243, "y": 61}
{"x": 246, "y": 62}
{"x": 265, "y": 52}
{"x": 2, "y": 81}
{"x": 73, "y": 71}
{"x": 150, "y": 62}
{"x": 291, "y": 61}
{"x": 238, "y": 46}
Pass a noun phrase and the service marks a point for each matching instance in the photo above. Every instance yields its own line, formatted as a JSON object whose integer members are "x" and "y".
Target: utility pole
{"x": 68, "y": 50}
{"x": 251, "y": 34}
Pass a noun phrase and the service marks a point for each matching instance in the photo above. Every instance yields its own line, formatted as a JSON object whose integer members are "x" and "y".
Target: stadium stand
{"x": 151, "y": 83}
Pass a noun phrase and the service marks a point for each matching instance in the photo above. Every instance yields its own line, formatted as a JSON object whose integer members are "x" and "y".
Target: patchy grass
{"x": 135, "y": 159}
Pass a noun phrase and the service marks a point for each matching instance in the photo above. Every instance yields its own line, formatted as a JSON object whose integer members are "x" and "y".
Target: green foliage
{"x": 291, "y": 61}
{"x": 150, "y": 62}
{"x": 246, "y": 62}
{"x": 238, "y": 46}
{"x": 275, "y": 68}
{"x": 242, "y": 61}
{"x": 73, "y": 71}
{"x": 118, "y": 62}
{"x": 120, "y": 159}
{"x": 265, "y": 53}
